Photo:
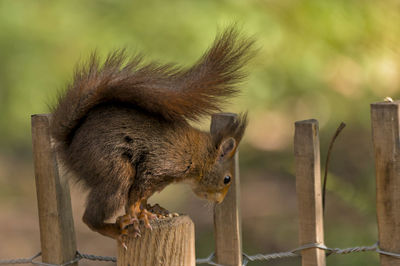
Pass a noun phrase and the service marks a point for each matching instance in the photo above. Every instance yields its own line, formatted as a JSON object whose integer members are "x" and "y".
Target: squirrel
{"x": 122, "y": 128}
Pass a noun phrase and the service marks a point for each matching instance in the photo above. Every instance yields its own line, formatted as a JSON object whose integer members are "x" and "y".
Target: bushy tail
{"x": 171, "y": 92}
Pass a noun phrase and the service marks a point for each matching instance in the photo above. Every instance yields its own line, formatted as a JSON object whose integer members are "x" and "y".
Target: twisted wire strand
{"x": 396, "y": 255}
{"x": 95, "y": 257}
{"x": 21, "y": 261}
{"x": 280, "y": 255}
{"x": 208, "y": 260}
{"x": 374, "y": 247}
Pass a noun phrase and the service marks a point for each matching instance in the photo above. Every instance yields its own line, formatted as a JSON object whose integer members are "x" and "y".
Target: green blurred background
{"x": 317, "y": 59}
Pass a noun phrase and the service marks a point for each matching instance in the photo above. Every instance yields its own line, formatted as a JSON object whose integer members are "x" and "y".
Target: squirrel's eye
{"x": 227, "y": 179}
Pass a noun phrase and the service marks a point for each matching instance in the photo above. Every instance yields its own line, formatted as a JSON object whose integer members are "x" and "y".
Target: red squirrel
{"x": 122, "y": 128}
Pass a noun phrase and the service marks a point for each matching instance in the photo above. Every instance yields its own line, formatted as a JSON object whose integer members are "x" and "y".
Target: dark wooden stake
{"x": 57, "y": 235}
{"x": 227, "y": 220}
{"x": 385, "y": 134}
{"x": 308, "y": 187}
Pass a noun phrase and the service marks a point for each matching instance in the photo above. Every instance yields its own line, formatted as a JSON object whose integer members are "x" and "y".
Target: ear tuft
{"x": 232, "y": 130}
{"x": 227, "y": 148}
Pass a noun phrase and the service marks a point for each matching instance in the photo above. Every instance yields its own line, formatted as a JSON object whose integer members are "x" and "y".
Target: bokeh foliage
{"x": 326, "y": 58}
{"x": 321, "y": 59}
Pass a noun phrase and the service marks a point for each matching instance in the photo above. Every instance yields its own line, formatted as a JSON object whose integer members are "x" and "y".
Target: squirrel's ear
{"x": 227, "y": 148}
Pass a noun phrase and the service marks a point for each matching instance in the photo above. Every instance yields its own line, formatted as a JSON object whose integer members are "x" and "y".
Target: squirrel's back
{"x": 119, "y": 135}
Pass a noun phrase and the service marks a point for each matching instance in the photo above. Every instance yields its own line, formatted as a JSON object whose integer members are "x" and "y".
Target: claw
{"x": 122, "y": 238}
{"x": 135, "y": 223}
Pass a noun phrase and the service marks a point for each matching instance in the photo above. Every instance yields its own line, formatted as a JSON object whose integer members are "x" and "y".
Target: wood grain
{"x": 308, "y": 188}
{"x": 57, "y": 234}
{"x": 227, "y": 220}
{"x": 171, "y": 242}
{"x": 386, "y": 141}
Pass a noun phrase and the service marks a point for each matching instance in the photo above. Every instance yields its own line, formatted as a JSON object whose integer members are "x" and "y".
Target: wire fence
{"x": 210, "y": 259}
{"x": 79, "y": 256}
{"x": 297, "y": 253}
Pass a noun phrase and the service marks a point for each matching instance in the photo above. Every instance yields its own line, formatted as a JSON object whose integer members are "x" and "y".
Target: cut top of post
{"x": 306, "y": 138}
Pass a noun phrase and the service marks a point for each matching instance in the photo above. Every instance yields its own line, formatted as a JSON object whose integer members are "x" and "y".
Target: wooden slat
{"x": 170, "y": 242}
{"x": 308, "y": 187}
{"x": 385, "y": 133}
{"x": 227, "y": 220}
{"x": 57, "y": 235}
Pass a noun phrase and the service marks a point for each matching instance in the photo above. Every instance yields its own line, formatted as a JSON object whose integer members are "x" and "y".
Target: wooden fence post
{"x": 170, "y": 242}
{"x": 386, "y": 140}
{"x": 227, "y": 220}
{"x": 308, "y": 187}
{"x": 57, "y": 235}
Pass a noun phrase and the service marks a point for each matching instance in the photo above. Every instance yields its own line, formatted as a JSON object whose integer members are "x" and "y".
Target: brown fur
{"x": 122, "y": 128}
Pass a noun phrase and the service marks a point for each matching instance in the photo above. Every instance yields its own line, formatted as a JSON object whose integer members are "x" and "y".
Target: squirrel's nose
{"x": 219, "y": 197}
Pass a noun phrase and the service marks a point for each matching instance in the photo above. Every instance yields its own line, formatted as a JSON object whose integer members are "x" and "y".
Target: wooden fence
{"x": 172, "y": 241}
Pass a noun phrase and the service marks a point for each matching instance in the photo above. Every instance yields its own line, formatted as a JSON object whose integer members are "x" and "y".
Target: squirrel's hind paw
{"x": 133, "y": 219}
{"x": 123, "y": 222}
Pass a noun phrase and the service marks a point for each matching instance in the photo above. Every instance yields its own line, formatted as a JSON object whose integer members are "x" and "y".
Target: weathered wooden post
{"x": 227, "y": 220}
{"x": 386, "y": 140}
{"x": 308, "y": 187}
{"x": 170, "y": 242}
{"x": 57, "y": 235}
